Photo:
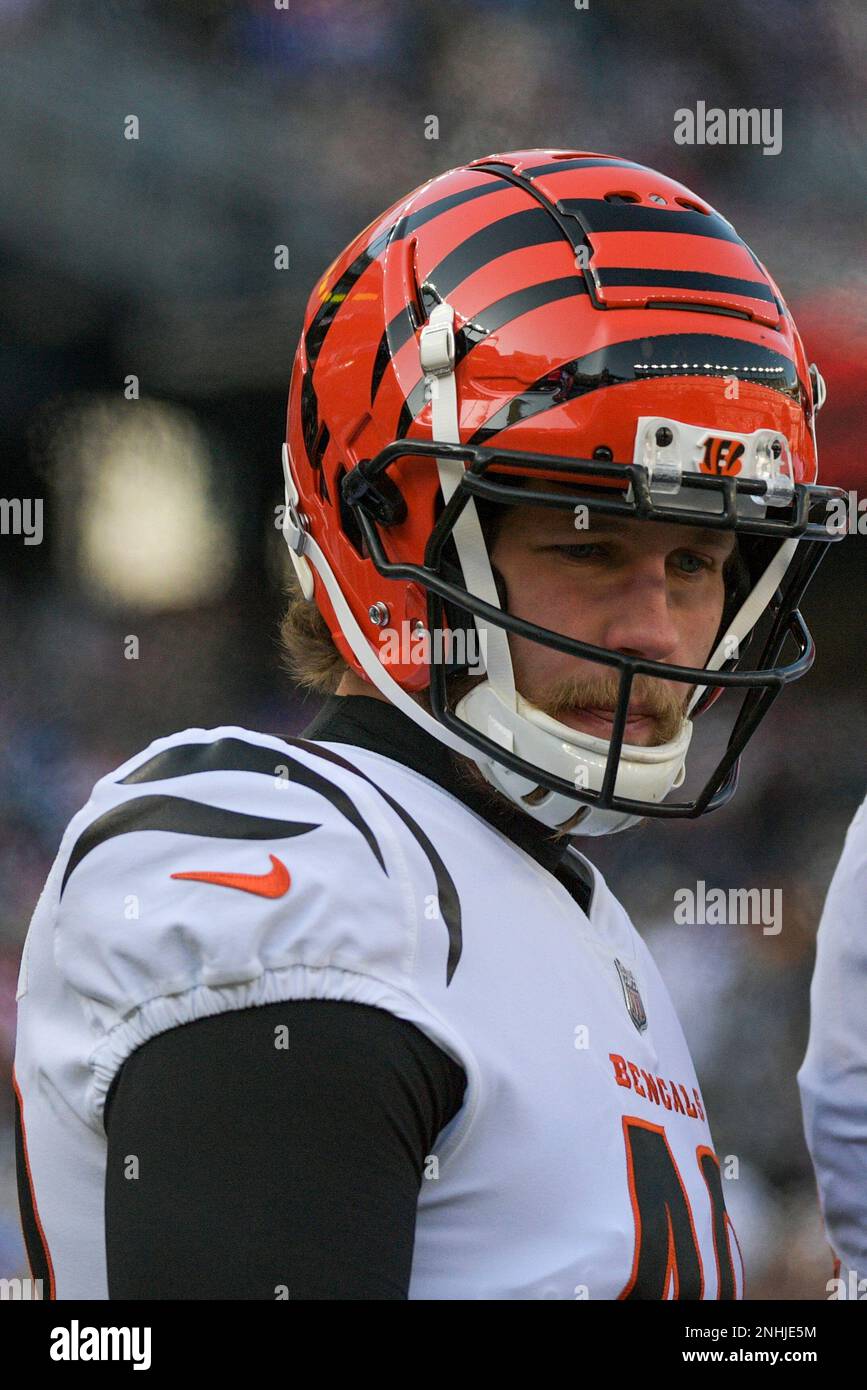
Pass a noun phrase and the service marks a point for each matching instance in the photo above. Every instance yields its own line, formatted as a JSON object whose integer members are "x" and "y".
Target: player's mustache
{"x": 656, "y": 700}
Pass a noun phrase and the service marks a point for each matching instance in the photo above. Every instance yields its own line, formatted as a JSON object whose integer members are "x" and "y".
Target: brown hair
{"x": 308, "y": 651}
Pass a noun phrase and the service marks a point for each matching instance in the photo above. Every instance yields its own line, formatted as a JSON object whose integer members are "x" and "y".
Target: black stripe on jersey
{"x": 671, "y": 354}
{"x": 447, "y": 893}
{"x": 237, "y": 755}
{"x": 38, "y": 1254}
{"x": 686, "y": 280}
{"x": 488, "y": 320}
{"x": 182, "y": 817}
{"x": 598, "y": 215}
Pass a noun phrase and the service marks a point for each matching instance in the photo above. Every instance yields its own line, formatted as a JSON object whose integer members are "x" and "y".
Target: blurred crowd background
{"x": 263, "y": 125}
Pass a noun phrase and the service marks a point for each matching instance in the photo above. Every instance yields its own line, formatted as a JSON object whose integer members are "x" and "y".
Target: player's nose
{"x": 640, "y": 620}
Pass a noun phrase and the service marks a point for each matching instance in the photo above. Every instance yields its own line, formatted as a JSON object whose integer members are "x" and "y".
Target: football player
{"x": 350, "y": 1015}
{"x": 833, "y": 1075}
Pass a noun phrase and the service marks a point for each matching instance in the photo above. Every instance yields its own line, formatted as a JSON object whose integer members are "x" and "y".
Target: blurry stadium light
{"x": 134, "y": 479}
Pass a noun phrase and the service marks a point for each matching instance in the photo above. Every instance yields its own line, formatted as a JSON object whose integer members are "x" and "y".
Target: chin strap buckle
{"x": 437, "y": 346}
{"x": 294, "y": 533}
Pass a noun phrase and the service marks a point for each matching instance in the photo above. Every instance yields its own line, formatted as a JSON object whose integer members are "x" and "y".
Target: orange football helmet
{"x": 575, "y": 317}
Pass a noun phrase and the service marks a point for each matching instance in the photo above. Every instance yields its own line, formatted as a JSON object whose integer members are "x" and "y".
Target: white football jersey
{"x": 833, "y": 1076}
{"x": 580, "y": 1164}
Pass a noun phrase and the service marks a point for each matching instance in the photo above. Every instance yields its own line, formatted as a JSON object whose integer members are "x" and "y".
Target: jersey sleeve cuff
{"x": 160, "y": 1014}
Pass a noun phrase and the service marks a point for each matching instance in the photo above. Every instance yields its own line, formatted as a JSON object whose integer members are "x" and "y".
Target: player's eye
{"x": 689, "y": 562}
{"x": 695, "y": 563}
{"x": 578, "y": 552}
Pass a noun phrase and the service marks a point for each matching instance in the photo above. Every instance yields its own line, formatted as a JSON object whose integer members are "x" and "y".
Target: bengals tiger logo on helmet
{"x": 721, "y": 456}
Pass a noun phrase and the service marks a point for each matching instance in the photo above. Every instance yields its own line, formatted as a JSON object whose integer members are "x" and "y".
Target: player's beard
{"x": 573, "y": 693}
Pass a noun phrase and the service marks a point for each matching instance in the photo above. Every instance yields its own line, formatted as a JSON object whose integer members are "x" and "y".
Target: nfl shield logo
{"x": 632, "y": 995}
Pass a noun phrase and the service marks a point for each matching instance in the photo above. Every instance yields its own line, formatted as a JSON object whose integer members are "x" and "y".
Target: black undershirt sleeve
{"x": 242, "y": 1169}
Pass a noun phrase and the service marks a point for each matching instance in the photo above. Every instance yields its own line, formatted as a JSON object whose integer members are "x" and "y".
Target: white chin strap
{"x": 494, "y": 707}
{"x": 748, "y": 614}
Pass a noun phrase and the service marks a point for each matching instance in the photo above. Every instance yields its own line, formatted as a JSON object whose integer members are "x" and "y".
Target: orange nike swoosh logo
{"x": 271, "y": 885}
